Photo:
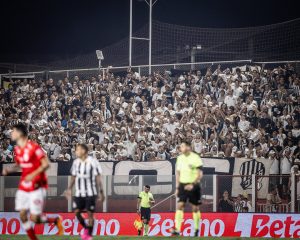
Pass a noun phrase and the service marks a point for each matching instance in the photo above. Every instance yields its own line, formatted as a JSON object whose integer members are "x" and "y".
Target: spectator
{"x": 285, "y": 169}
{"x": 226, "y": 204}
{"x": 224, "y": 113}
{"x": 273, "y": 200}
{"x": 239, "y": 204}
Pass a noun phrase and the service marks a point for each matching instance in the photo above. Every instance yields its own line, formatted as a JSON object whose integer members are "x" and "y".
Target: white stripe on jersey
{"x": 85, "y": 173}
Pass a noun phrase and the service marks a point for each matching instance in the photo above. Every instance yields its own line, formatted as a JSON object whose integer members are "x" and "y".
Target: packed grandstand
{"x": 251, "y": 112}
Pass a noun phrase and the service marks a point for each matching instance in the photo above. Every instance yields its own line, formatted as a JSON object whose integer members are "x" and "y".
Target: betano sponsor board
{"x": 211, "y": 224}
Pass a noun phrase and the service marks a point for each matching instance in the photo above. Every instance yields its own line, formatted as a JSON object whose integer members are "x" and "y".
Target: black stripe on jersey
{"x": 79, "y": 179}
{"x": 91, "y": 179}
{"x": 85, "y": 180}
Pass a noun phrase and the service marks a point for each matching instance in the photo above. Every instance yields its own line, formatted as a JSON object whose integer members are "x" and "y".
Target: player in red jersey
{"x": 30, "y": 197}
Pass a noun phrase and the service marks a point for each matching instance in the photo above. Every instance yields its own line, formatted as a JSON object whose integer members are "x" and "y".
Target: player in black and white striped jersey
{"x": 86, "y": 175}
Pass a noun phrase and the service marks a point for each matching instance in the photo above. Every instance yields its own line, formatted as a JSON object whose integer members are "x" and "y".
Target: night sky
{"x": 67, "y": 28}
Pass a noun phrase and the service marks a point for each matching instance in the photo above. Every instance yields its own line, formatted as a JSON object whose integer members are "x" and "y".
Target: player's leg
{"x": 196, "y": 218}
{"x": 146, "y": 215}
{"x": 78, "y": 206}
{"x": 90, "y": 207}
{"x": 27, "y": 225}
{"x": 179, "y": 217}
{"x": 90, "y": 225}
{"x": 195, "y": 200}
{"x": 80, "y": 218}
{"x": 37, "y": 200}
{"x": 182, "y": 198}
{"x": 22, "y": 205}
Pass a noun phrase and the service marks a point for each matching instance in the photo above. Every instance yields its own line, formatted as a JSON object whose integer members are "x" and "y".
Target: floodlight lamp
{"x": 99, "y": 55}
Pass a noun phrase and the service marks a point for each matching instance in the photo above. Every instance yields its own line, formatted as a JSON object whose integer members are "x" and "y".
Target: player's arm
{"x": 152, "y": 201}
{"x": 199, "y": 171}
{"x": 11, "y": 169}
{"x": 97, "y": 170}
{"x": 177, "y": 181}
{"x": 100, "y": 187}
{"x": 42, "y": 168}
{"x": 177, "y": 176}
{"x": 68, "y": 192}
{"x": 138, "y": 204}
{"x": 199, "y": 175}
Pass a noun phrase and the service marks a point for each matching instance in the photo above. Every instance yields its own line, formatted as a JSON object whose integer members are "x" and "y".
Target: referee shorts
{"x": 85, "y": 203}
{"x": 145, "y": 213}
{"x": 193, "y": 196}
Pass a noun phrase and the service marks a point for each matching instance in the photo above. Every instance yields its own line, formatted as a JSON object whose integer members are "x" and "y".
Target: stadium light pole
{"x": 130, "y": 34}
{"x": 100, "y": 57}
{"x": 150, "y": 3}
{"x": 150, "y": 36}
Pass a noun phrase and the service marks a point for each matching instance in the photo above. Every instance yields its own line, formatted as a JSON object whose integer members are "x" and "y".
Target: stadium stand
{"x": 251, "y": 113}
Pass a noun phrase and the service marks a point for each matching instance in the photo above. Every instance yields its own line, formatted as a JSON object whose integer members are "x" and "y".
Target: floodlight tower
{"x": 150, "y": 3}
{"x": 100, "y": 57}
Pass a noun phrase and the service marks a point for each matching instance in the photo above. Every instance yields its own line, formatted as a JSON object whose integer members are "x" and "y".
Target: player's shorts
{"x": 145, "y": 213}
{"x": 32, "y": 201}
{"x": 193, "y": 196}
{"x": 85, "y": 203}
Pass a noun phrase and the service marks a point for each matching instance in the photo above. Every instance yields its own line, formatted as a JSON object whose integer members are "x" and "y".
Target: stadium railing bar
{"x": 121, "y": 192}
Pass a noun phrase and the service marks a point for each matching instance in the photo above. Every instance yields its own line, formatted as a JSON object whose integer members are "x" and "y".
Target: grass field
{"x": 10, "y": 237}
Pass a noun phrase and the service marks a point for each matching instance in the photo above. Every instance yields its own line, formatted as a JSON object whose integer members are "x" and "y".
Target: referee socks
{"x": 196, "y": 218}
{"x": 178, "y": 220}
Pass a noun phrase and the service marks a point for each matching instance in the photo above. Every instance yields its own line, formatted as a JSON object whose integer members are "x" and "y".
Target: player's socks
{"x": 56, "y": 220}
{"x": 196, "y": 218}
{"x": 81, "y": 219}
{"x": 146, "y": 228}
{"x": 29, "y": 230}
{"x": 90, "y": 229}
{"x": 178, "y": 220}
{"x": 45, "y": 219}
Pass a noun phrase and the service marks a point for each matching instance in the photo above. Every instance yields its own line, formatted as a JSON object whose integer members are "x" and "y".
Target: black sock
{"x": 80, "y": 219}
{"x": 90, "y": 228}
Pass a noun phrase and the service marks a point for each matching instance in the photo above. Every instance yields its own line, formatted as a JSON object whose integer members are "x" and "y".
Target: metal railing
{"x": 122, "y": 191}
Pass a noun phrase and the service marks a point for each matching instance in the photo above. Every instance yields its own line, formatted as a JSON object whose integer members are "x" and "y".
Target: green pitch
{"x": 11, "y": 237}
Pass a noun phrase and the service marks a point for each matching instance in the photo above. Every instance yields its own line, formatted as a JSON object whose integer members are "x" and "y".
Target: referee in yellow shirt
{"x": 144, "y": 203}
{"x": 188, "y": 175}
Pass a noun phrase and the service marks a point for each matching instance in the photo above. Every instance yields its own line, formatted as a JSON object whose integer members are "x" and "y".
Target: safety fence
{"x": 173, "y": 68}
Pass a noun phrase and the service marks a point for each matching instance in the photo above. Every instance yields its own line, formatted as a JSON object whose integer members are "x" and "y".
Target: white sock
{"x": 27, "y": 225}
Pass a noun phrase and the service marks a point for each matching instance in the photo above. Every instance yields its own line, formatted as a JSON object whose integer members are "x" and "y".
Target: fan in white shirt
{"x": 286, "y": 162}
{"x": 254, "y": 134}
{"x": 230, "y": 100}
{"x": 243, "y": 124}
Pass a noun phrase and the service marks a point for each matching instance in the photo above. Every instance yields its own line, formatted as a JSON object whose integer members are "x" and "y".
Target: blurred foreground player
{"x": 144, "y": 203}
{"x": 30, "y": 196}
{"x": 188, "y": 176}
{"x": 86, "y": 175}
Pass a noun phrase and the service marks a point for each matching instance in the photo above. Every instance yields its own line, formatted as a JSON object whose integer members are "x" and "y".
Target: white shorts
{"x": 32, "y": 201}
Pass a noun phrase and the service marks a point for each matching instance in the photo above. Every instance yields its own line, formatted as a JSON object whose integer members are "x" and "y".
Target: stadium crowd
{"x": 252, "y": 113}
